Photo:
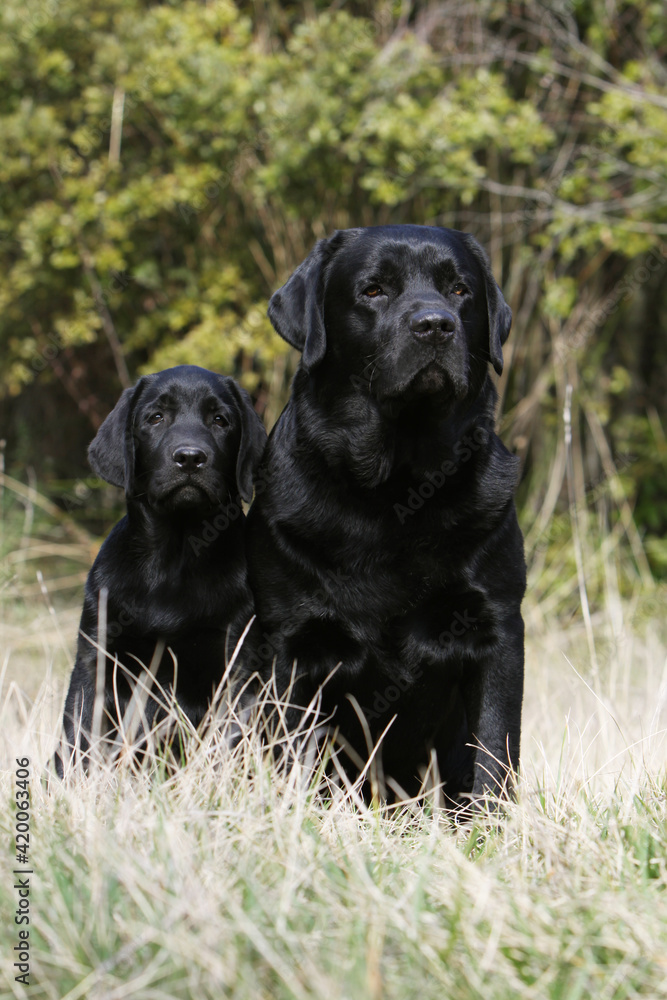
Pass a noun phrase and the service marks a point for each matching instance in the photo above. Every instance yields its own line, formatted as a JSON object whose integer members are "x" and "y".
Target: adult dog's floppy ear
{"x": 499, "y": 313}
{"x": 296, "y": 309}
{"x": 111, "y": 452}
{"x": 251, "y": 445}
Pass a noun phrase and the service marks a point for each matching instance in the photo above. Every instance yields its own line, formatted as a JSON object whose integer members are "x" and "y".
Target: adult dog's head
{"x": 184, "y": 439}
{"x": 406, "y": 311}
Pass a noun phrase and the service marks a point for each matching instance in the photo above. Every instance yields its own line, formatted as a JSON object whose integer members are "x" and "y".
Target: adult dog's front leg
{"x": 493, "y": 698}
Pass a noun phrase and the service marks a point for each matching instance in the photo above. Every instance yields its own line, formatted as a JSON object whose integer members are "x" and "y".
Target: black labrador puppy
{"x": 185, "y": 444}
{"x": 384, "y": 551}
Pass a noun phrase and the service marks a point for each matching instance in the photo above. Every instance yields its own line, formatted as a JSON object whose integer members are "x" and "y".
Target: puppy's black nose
{"x": 432, "y": 326}
{"x": 189, "y": 458}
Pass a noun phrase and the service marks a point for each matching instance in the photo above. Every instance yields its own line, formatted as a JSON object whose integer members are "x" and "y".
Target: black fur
{"x": 184, "y": 444}
{"x": 386, "y": 537}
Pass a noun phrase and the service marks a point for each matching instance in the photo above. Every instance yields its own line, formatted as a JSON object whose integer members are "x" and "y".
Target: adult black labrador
{"x": 185, "y": 444}
{"x": 384, "y": 551}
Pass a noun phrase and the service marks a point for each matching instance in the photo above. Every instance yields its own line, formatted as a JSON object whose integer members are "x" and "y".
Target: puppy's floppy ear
{"x": 499, "y": 313}
{"x": 111, "y": 452}
{"x": 251, "y": 445}
{"x": 296, "y": 309}
{"x": 106, "y": 452}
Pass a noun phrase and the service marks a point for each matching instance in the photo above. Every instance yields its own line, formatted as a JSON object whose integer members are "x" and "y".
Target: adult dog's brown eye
{"x": 373, "y": 291}
{"x": 459, "y": 289}
{"x": 155, "y": 418}
{"x": 220, "y": 420}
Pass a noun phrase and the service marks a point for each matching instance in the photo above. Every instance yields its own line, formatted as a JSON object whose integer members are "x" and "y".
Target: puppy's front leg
{"x": 77, "y": 717}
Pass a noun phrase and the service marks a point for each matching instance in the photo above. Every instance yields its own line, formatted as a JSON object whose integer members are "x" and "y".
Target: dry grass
{"x": 226, "y": 878}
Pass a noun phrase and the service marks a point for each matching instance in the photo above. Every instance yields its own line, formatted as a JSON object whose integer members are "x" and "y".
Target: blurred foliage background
{"x": 164, "y": 166}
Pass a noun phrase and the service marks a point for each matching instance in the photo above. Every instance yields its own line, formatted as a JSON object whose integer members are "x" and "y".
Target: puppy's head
{"x": 182, "y": 439}
{"x": 407, "y": 311}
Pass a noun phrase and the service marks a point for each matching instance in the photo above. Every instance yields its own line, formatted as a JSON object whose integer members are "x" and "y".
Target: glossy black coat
{"x": 185, "y": 444}
{"x": 384, "y": 550}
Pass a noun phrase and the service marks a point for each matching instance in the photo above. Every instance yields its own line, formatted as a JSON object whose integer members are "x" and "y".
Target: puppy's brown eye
{"x": 459, "y": 289}
{"x": 155, "y": 418}
{"x": 373, "y": 291}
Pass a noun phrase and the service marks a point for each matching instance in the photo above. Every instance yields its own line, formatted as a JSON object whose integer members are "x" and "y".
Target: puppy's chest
{"x": 172, "y": 605}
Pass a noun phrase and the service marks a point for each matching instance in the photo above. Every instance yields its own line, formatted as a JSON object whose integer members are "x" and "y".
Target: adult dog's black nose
{"x": 189, "y": 458}
{"x": 432, "y": 326}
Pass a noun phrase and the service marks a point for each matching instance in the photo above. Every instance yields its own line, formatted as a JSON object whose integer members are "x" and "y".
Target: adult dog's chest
{"x": 371, "y": 566}
{"x": 432, "y": 540}
{"x": 407, "y": 597}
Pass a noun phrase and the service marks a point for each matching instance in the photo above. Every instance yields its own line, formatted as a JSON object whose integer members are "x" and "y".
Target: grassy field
{"x": 224, "y": 878}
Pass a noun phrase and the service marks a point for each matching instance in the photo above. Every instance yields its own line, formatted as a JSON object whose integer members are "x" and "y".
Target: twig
{"x": 576, "y": 535}
{"x": 116, "y": 125}
{"x": 100, "y": 672}
{"x": 30, "y": 493}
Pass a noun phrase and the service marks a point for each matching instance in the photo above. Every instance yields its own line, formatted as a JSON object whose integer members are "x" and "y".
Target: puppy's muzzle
{"x": 432, "y": 326}
{"x": 189, "y": 458}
